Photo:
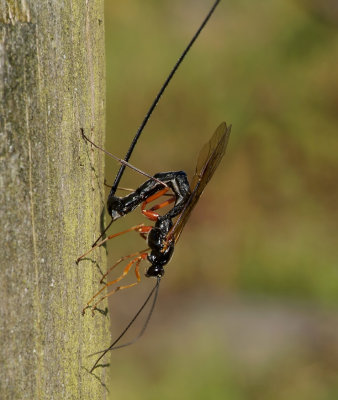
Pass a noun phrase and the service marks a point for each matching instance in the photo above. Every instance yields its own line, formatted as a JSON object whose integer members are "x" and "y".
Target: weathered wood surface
{"x": 51, "y": 83}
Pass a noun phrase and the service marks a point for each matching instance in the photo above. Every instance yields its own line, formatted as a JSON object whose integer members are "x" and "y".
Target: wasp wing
{"x": 207, "y": 162}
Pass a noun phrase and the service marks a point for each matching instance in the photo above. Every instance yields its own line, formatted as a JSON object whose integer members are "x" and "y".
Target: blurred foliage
{"x": 267, "y": 223}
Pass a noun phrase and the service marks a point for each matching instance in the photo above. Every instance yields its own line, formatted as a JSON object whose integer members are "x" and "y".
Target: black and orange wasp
{"x": 164, "y": 234}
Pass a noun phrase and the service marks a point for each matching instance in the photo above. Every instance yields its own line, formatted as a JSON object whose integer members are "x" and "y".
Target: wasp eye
{"x": 155, "y": 270}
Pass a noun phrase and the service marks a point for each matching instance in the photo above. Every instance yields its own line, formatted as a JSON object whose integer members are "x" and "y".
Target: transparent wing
{"x": 207, "y": 162}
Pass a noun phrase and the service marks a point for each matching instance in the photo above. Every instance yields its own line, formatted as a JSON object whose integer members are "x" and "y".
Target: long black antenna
{"x": 113, "y": 346}
{"x": 157, "y": 98}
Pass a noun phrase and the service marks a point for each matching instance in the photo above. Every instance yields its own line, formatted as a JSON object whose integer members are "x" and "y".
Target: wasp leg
{"x": 150, "y": 214}
{"x": 133, "y": 228}
{"x": 123, "y": 259}
{"x": 135, "y": 261}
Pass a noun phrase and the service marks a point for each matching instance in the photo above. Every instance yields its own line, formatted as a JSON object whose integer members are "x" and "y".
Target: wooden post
{"x": 52, "y": 83}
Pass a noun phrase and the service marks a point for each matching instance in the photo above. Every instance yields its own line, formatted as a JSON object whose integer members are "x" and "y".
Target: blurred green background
{"x": 247, "y": 308}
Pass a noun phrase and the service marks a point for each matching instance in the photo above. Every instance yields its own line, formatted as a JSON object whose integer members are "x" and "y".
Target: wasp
{"x": 161, "y": 237}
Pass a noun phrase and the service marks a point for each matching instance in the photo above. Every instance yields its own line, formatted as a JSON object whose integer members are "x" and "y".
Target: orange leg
{"x": 136, "y": 260}
{"x": 122, "y": 259}
{"x": 153, "y": 216}
{"x": 150, "y": 214}
{"x": 141, "y": 228}
{"x": 154, "y": 196}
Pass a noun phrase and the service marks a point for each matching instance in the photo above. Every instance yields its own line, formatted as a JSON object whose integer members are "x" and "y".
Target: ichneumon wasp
{"x": 162, "y": 237}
